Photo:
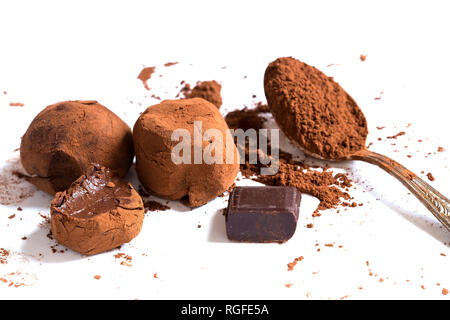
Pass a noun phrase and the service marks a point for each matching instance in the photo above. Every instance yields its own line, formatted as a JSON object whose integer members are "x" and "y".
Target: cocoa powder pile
{"x": 313, "y": 110}
{"x": 145, "y": 75}
{"x": 329, "y": 188}
{"x": 208, "y": 90}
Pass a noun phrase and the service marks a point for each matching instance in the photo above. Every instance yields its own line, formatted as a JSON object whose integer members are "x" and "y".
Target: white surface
{"x": 54, "y": 51}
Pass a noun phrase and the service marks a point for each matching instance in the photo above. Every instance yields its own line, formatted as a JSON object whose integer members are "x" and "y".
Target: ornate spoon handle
{"x": 430, "y": 197}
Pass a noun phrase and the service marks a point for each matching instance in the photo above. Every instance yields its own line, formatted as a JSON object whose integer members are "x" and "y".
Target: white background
{"x": 53, "y": 51}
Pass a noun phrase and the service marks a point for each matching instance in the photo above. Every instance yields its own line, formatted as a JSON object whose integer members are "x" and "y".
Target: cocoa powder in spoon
{"x": 313, "y": 110}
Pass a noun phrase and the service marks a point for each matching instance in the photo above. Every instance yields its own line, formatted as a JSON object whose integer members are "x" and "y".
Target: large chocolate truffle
{"x": 196, "y": 183}
{"x": 99, "y": 212}
{"x": 65, "y": 138}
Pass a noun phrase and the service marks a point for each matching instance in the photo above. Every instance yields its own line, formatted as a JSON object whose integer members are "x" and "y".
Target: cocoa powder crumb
{"x": 402, "y": 133}
{"x": 363, "y": 57}
{"x": 169, "y": 64}
{"x": 151, "y": 205}
{"x": 97, "y": 277}
{"x": 299, "y": 95}
{"x": 4, "y": 254}
{"x": 16, "y": 104}
{"x": 309, "y": 225}
{"x": 292, "y": 264}
{"x": 329, "y": 188}
{"x": 430, "y": 176}
{"x": 440, "y": 149}
{"x": 145, "y": 75}
{"x": 444, "y": 291}
{"x": 12, "y": 216}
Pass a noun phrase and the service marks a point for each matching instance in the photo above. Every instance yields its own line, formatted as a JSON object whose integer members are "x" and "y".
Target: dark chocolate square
{"x": 262, "y": 214}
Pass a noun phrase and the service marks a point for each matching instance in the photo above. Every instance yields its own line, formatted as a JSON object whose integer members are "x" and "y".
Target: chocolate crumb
{"x": 430, "y": 176}
{"x": 145, "y": 75}
{"x": 151, "y": 205}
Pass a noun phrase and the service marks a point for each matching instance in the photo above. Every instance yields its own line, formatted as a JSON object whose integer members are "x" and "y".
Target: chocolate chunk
{"x": 99, "y": 212}
{"x": 262, "y": 214}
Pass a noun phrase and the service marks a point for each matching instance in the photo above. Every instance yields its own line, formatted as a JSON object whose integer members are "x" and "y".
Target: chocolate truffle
{"x": 195, "y": 183}
{"x": 262, "y": 214}
{"x": 65, "y": 138}
{"x": 99, "y": 212}
{"x": 208, "y": 90}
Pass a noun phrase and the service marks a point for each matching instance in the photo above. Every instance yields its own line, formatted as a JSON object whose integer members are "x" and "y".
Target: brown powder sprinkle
{"x": 430, "y": 176}
{"x": 329, "y": 188}
{"x": 126, "y": 259}
{"x": 444, "y": 291}
{"x": 292, "y": 264}
{"x": 309, "y": 225}
{"x": 145, "y": 75}
{"x": 4, "y": 254}
{"x": 362, "y": 57}
{"x": 151, "y": 205}
{"x": 169, "y": 64}
{"x": 12, "y": 216}
{"x": 16, "y": 104}
{"x": 97, "y": 277}
{"x": 440, "y": 149}
{"x": 208, "y": 90}
{"x": 402, "y": 133}
{"x": 313, "y": 110}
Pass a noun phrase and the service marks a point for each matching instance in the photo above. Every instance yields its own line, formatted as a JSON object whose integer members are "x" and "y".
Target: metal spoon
{"x": 438, "y": 204}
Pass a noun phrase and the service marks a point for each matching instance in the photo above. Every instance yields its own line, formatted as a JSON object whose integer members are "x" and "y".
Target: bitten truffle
{"x": 195, "y": 183}
{"x": 65, "y": 138}
{"x": 99, "y": 212}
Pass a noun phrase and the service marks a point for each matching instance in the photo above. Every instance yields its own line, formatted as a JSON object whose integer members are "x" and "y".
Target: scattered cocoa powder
{"x": 97, "y": 277}
{"x": 430, "y": 176}
{"x": 402, "y": 133}
{"x": 208, "y": 90}
{"x": 309, "y": 225}
{"x": 12, "y": 216}
{"x": 126, "y": 259}
{"x": 169, "y": 64}
{"x": 329, "y": 188}
{"x": 151, "y": 205}
{"x": 145, "y": 75}
{"x": 16, "y": 104}
{"x": 440, "y": 149}
{"x": 313, "y": 110}
{"x": 4, "y": 254}
{"x": 363, "y": 57}
{"x": 444, "y": 291}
